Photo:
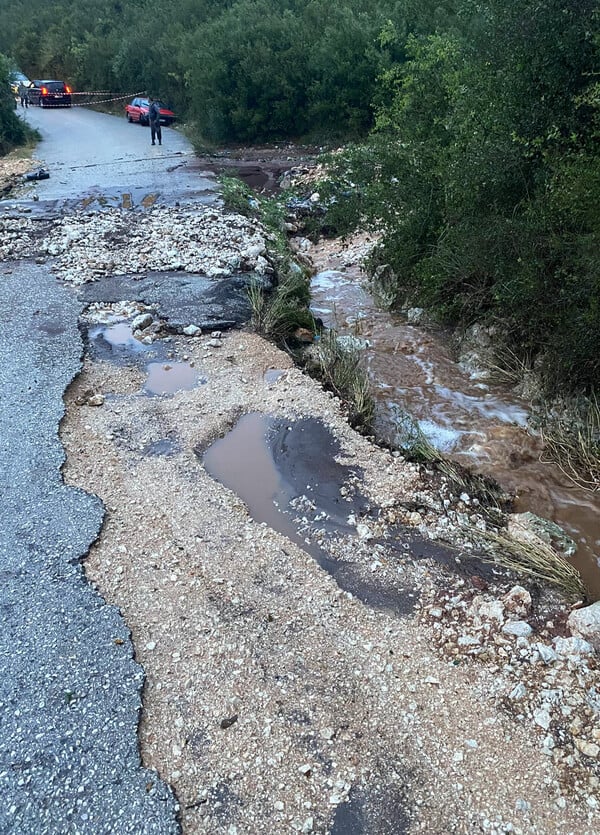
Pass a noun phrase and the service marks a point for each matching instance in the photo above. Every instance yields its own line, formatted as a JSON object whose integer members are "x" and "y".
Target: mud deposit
{"x": 287, "y": 474}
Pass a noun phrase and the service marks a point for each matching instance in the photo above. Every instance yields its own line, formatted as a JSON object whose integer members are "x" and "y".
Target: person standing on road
{"x": 154, "y": 119}
{"x": 23, "y": 95}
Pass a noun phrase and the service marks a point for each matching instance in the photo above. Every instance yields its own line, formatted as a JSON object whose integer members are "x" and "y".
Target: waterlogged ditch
{"x": 480, "y": 425}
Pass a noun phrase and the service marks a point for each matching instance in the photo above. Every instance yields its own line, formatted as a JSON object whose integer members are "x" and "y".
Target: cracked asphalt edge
{"x": 70, "y": 696}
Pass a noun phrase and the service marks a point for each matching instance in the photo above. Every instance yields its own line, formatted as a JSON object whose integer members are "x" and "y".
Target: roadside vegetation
{"x": 283, "y": 314}
{"x": 14, "y": 132}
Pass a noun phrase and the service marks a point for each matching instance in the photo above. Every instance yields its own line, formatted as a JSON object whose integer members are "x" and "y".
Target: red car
{"x": 137, "y": 111}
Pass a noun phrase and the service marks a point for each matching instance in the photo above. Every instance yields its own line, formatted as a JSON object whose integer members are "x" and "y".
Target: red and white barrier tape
{"x": 102, "y": 101}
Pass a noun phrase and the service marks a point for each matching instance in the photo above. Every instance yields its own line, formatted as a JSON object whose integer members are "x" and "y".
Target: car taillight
{"x": 67, "y": 88}
{"x": 44, "y": 91}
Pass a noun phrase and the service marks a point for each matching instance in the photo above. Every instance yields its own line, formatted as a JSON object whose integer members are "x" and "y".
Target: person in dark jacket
{"x": 154, "y": 119}
{"x": 24, "y": 95}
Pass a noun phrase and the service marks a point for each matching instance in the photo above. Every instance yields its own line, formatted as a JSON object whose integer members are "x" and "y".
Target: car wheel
{"x": 129, "y": 119}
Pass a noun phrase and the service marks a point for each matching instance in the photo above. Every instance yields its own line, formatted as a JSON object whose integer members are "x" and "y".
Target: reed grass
{"x": 534, "y": 559}
{"x": 572, "y": 442}
{"x": 340, "y": 369}
{"x": 280, "y": 312}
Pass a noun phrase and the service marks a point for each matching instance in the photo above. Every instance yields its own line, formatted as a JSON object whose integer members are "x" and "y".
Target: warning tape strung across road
{"x": 102, "y": 101}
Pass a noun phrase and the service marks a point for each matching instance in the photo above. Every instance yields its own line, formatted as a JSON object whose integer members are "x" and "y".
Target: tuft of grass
{"x": 509, "y": 368}
{"x": 534, "y": 559}
{"x": 278, "y": 314}
{"x": 339, "y": 367}
{"x": 572, "y": 442}
{"x": 237, "y": 196}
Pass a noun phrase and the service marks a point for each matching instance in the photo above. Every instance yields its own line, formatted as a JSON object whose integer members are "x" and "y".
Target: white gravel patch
{"x": 209, "y": 241}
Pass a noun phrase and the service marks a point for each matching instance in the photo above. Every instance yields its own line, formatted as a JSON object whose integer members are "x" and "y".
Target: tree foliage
{"x": 483, "y": 175}
{"x": 481, "y": 167}
{"x": 13, "y": 131}
{"x": 241, "y": 69}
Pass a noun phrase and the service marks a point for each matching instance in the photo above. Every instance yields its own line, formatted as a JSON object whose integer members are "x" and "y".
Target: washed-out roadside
{"x": 277, "y": 698}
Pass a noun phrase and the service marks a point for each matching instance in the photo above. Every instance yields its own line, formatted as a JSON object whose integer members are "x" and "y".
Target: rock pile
{"x": 15, "y": 237}
{"x": 116, "y": 242}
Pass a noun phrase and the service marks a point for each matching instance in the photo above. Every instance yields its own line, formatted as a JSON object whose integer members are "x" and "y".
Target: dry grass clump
{"x": 509, "y": 368}
{"x": 572, "y": 441}
{"x": 533, "y": 558}
{"x": 279, "y": 313}
{"x": 340, "y": 369}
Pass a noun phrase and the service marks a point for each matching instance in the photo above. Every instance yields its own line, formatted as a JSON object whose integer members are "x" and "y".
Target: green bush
{"x": 13, "y": 131}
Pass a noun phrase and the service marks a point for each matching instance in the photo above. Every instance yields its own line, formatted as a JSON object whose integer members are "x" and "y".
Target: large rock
{"x": 585, "y": 623}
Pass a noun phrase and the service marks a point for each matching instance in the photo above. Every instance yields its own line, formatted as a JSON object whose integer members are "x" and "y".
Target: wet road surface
{"x": 102, "y": 156}
{"x": 70, "y": 692}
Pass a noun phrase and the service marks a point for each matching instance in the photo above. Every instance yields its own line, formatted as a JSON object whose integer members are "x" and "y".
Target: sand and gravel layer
{"x": 276, "y": 701}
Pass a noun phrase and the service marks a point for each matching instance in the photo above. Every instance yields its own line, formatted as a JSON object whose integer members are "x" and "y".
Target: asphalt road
{"x": 87, "y": 152}
{"x": 70, "y": 691}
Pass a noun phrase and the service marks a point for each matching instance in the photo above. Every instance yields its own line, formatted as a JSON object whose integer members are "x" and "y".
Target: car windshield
{"x": 54, "y": 86}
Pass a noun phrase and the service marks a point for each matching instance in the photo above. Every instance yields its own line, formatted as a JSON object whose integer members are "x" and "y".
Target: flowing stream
{"x": 480, "y": 425}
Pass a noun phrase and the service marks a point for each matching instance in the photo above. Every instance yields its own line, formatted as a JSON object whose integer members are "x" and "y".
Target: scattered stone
{"x": 144, "y": 320}
{"x": 192, "y": 330}
{"x": 589, "y": 749}
{"x": 585, "y": 623}
{"x": 517, "y": 601}
{"x": 519, "y": 628}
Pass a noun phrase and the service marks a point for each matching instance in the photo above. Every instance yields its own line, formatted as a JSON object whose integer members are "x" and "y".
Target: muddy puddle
{"x": 287, "y": 475}
{"x": 114, "y": 341}
{"x": 171, "y": 377}
{"x": 482, "y": 426}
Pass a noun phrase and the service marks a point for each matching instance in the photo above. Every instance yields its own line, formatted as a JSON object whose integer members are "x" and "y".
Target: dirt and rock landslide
{"x": 378, "y": 684}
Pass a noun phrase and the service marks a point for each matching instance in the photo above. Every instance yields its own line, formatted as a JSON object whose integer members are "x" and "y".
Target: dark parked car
{"x": 50, "y": 93}
{"x": 137, "y": 111}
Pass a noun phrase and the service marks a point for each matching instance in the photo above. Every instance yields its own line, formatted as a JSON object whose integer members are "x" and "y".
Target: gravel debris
{"x": 330, "y": 695}
{"x": 276, "y": 700}
{"x": 208, "y": 241}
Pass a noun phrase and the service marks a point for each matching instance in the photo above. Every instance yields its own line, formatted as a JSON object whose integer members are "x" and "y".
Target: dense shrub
{"x": 13, "y": 131}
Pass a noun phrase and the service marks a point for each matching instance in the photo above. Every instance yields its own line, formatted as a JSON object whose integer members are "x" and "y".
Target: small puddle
{"x": 272, "y": 375}
{"x": 115, "y": 342}
{"x": 119, "y": 335}
{"x": 171, "y": 377}
{"x": 285, "y": 470}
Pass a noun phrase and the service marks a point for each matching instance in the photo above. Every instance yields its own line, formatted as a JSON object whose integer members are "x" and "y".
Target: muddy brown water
{"x": 170, "y": 377}
{"x": 287, "y": 475}
{"x": 482, "y": 426}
